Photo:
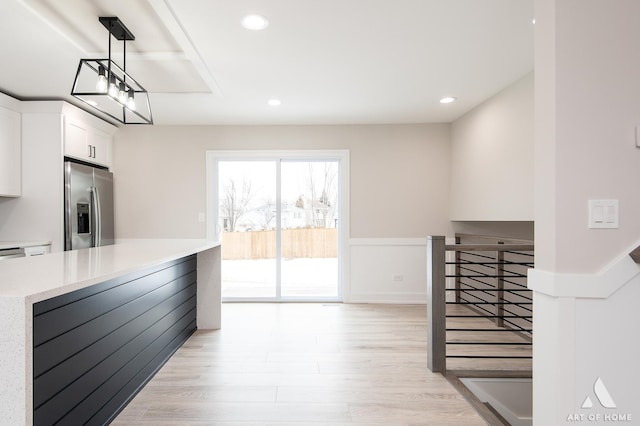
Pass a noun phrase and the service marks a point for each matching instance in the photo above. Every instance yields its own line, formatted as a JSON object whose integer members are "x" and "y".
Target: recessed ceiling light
{"x": 254, "y": 22}
{"x": 447, "y": 100}
{"x": 274, "y": 102}
{"x": 533, "y": 21}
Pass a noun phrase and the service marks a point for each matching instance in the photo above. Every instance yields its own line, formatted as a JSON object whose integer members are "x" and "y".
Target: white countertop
{"x": 27, "y": 280}
{"x": 21, "y": 244}
{"x": 41, "y": 277}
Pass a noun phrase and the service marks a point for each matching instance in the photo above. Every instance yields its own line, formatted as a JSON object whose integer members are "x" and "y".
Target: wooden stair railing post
{"x": 436, "y": 305}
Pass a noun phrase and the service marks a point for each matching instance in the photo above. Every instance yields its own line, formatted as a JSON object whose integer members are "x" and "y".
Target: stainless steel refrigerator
{"x": 88, "y": 205}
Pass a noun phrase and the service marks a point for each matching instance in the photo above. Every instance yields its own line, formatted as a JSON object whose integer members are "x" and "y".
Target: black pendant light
{"x": 105, "y": 86}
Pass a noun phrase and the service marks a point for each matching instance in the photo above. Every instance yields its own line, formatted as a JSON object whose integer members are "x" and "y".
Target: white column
{"x": 209, "y": 315}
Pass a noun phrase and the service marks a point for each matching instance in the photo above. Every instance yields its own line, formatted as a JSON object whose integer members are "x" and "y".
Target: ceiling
{"x": 328, "y": 61}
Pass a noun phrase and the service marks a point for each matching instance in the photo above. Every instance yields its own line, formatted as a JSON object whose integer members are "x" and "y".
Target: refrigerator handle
{"x": 67, "y": 207}
{"x": 97, "y": 222}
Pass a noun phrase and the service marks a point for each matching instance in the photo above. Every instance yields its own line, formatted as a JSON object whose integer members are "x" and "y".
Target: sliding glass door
{"x": 309, "y": 229}
{"x": 246, "y": 217}
{"x": 280, "y": 223}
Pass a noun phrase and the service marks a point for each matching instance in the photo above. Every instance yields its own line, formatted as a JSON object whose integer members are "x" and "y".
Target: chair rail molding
{"x": 600, "y": 285}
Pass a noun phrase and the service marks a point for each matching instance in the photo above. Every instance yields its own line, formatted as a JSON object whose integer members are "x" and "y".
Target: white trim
{"x": 176, "y": 29}
{"x": 49, "y": 17}
{"x": 390, "y": 298}
{"x": 342, "y": 156}
{"x": 600, "y": 285}
{"x": 302, "y": 154}
{"x": 387, "y": 242}
{"x": 278, "y": 228}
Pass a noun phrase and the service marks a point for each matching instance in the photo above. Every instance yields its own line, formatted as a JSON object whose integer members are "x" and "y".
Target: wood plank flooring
{"x": 303, "y": 364}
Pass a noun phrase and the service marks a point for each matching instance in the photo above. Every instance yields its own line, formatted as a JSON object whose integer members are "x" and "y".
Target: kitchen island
{"x": 64, "y": 317}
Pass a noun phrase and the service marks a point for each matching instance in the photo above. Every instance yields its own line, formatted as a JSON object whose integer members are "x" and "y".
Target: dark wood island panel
{"x": 95, "y": 348}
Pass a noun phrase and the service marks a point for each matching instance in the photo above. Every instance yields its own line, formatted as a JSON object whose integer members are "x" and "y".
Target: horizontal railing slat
{"x": 489, "y": 247}
{"x": 490, "y": 288}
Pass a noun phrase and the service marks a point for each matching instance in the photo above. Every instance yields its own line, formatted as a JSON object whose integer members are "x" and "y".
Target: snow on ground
{"x": 300, "y": 278}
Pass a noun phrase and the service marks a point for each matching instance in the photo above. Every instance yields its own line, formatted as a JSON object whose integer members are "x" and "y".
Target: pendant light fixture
{"x": 107, "y": 87}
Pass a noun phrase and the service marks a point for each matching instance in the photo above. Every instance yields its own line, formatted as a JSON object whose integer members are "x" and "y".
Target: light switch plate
{"x": 603, "y": 214}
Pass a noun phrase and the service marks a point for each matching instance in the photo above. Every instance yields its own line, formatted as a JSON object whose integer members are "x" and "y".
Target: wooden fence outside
{"x": 296, "y": 243}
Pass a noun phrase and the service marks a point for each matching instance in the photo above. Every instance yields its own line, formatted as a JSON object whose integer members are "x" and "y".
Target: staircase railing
{"x": 478, "y": 304}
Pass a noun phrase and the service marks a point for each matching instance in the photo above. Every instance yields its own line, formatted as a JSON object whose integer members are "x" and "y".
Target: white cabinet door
{"x": 75, "y": 141}
{"x": 86, "y": 143}
{"x": 100, "y": 143}
{"x": 10, "y": 158}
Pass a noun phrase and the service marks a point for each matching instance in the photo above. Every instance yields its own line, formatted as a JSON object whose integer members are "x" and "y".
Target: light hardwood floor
{"x": 303, "y": 364}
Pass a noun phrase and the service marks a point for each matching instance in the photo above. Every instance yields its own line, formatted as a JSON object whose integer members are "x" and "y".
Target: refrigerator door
{"x": 78, "y": 222}
{"x": 103, "y": 210}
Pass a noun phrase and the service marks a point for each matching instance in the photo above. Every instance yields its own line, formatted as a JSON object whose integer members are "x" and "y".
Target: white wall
{"x": 522, "y": 230}
{"x": 587, "y": 106}
{"x": 399, "y": 191}
{"x": 492, "y": 158}
{"x": 399, "y": 175}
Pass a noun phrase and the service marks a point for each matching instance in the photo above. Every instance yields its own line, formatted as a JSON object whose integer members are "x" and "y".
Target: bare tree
{"x": 234, "y": 202}
{"x": 268, "y": 212}
{"x": 323, "y": 193}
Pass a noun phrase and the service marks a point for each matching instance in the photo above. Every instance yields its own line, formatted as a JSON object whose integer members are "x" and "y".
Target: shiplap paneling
{"x": 96, "y": 347}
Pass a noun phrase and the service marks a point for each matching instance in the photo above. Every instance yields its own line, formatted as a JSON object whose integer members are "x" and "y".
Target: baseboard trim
{"x": 397, "y": 299}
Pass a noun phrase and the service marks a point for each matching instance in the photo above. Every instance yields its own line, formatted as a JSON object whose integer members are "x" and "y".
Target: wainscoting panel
{"x": 387, "y": 270}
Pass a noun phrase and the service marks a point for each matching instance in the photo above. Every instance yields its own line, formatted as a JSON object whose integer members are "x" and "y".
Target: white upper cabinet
{"x": 75, "y": 140}
{"x": 84, "y": 142}
{"x": 10, "y": 158}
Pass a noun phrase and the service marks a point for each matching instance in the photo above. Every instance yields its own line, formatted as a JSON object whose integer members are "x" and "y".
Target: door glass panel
{"x": 247, "y": 220}
{"x": 309, "y": 223}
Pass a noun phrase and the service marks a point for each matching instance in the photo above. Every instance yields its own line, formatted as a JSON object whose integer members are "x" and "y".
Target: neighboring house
{"x": 304, "y": 213}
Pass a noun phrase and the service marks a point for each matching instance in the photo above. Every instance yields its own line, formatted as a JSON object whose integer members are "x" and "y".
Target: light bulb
{"x": 122, "y": 95}
{"x": 131, "y": 102}
{"x": 101, "y": 84}
{"x": 113, "y": 89}
{"x": 254, "y": 22}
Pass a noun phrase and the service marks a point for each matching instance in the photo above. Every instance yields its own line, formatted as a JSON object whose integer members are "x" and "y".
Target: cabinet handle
{"x": 94, "y": 151}
{"x": 89, "y": 146}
